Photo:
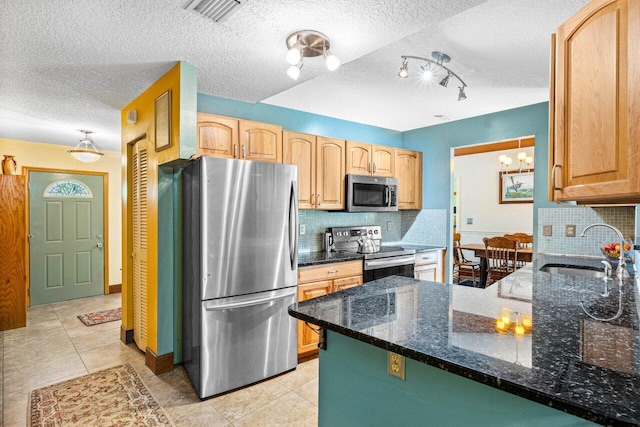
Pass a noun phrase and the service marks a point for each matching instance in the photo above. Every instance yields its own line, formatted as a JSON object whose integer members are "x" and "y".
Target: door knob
{"x": 99, "y": 245}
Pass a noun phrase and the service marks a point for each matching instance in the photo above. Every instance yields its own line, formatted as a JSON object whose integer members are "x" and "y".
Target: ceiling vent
{"x": 216, "y": 10}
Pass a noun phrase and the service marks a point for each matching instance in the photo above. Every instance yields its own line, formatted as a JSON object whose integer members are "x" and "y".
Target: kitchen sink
{"x": 570, "y": 270}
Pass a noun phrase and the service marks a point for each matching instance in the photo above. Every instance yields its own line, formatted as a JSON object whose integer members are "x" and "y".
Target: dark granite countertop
{"x": 568, "y": 360}
{"x": 317, "y": 258}
{"x": 417, "y": 247}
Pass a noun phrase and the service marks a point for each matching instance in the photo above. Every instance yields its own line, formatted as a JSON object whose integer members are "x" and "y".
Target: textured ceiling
{"x": 71, "y": 64}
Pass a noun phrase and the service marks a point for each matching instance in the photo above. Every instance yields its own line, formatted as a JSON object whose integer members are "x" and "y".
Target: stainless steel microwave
{"x": 371, "y": 193}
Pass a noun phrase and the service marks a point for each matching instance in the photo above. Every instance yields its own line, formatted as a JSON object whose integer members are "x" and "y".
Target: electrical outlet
{"x": 303, "y": 229}
{"x": 395, "y": 365}
{"x": 469, "y": 221}
{"x": 388, "y": 225}
{"x": 571, "y": 231}
{"x": 547, "y": 230}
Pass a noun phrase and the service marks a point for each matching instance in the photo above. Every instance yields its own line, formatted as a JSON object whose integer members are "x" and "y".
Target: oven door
{"x": 391, "y": 266}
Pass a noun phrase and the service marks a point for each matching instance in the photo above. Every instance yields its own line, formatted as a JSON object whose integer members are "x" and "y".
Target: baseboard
{"x": 158, "y": 364}
{"x": 115, "y": 289}
{"x": 126, "y": 335}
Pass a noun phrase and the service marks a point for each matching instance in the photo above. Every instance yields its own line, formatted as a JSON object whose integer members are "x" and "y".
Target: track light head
{"x": 444, "y": 82}
{"x": 294, "y": 70}
{"x": 404, "y": 70}
{"x": 331, "y": 60}
{"x": 461, "y": 94}
{"x": 427, "y": 72}
{"x": 306, "y": 44}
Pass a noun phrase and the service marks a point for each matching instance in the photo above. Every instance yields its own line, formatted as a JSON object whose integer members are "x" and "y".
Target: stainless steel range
{"x": 379, "y": 260}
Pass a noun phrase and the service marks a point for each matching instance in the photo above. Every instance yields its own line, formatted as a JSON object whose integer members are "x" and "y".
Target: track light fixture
{"x": 307, "y": 44}
{"x": 427, "y": 70}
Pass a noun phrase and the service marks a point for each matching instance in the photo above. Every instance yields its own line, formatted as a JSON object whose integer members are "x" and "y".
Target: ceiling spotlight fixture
{"x": 307, "y": 44}
{"x": 444, "y": 82}
{"x": 404, "y": 70}
{"x": 461, "y": 94}
{"x": 428, "y": 70}
{"x": 85, "y": 151}
{"x": 294, "y": 71}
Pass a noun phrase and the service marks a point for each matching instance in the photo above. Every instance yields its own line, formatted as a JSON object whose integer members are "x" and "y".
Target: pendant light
{"x": 85, "y": 151}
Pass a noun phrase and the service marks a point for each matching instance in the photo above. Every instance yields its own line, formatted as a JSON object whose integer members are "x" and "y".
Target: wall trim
{"x": 525, "y": 141}
{"x": 158, "y": 364}
{"x": 115, "y": 289}
{"x": 126, "y": 335}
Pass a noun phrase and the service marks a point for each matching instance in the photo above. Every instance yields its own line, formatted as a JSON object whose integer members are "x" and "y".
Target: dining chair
{"x": 526, "y": 241}
{"x": 500, "y": 253}
{"x": 463, "y": 265}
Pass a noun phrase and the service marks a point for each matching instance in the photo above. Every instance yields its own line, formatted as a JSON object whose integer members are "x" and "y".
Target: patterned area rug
{"x": 113, "y": 397}
{"x": 99, "y": 317}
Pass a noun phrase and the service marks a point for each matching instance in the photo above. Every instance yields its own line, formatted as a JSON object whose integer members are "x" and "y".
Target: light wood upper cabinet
{"x": 260, "y": 141}
{"x": 217, "y": 136}
{"x": 320, "y": 164}
{"x": 330, "y": 173}
{"x": 369, "y": 159}
{"x": 595, "y": 142}
{"x": 300, "y": 149}
{"x": 238, "y": 139}
{"x": 409, "y": 173}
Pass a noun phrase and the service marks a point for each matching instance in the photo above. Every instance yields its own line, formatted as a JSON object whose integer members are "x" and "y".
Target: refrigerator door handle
{"x": 293, "y": 221}
{"x": 217, "y": 306}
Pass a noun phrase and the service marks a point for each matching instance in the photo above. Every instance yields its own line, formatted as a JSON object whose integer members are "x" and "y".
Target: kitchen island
{"x": 465, "y": 367}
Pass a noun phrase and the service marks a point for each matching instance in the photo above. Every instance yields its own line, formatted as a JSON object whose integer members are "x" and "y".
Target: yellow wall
{"x": 144, "y": 105}
{"x": 41, "y": 155}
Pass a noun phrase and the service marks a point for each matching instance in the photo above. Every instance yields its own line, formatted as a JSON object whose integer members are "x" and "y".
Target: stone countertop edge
{"x": 512, "y": 386}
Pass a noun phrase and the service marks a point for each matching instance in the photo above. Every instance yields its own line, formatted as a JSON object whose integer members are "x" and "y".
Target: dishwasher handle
{"x": 217, "y": 306}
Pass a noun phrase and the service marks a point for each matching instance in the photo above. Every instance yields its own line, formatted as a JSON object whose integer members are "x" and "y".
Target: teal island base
{"x": 356, "y": 390}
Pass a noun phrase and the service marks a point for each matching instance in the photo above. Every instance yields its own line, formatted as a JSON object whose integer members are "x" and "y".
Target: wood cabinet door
{"x": 427, "y": 272}
{"x": 217, "y": 136}
{"x": 346, "y": 283}
{"x": 330, "y": 173}
{"x": 383, "y": 161}
{"x": 307, "y": 338}
{"x": 358, "y": 159}
{"x": 260, "y": 141}
{"x": 13, "y": 292}
{"x": 408, "y": 166}
{"x": 596, "y": 138}
{"x": 300, "y": 149}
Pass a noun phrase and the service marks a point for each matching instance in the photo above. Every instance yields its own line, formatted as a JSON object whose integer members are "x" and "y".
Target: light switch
{"x": 571, "y": 231}
{"x": 303, "y": 229}
{"x": 469, "y": 221}
{"x": 546, "y": 230}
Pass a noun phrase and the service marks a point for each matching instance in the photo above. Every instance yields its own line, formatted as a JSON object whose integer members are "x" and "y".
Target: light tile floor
{"x": 56, "y": 346}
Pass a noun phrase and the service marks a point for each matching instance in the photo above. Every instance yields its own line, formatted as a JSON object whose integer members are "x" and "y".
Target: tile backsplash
{"x": 621, "y": 217}
{"x": 426, "y": 227}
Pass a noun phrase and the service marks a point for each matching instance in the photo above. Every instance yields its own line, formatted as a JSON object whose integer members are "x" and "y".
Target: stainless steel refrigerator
{"x": 239, "y": 272}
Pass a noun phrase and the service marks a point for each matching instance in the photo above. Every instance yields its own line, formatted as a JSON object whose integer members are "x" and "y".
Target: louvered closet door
{"x": 139, "y": 238}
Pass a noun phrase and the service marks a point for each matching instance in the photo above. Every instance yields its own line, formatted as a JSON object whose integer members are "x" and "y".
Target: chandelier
{"x": 85, "y": 151}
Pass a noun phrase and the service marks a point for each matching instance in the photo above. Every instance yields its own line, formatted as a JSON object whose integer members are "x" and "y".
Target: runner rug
{"x": 113, "y": 397}
{"x": 99, "y": 317}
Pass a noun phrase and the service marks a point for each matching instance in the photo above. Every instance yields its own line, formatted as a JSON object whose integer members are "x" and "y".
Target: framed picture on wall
{"x": 162, "y": 118}
{"x": 516, "y": 186}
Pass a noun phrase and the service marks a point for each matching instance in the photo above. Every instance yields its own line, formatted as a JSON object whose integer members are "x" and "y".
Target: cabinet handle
{"x": 374, "y": 168}
{"x": 553, "y": 177}
{"x": 319, "y": 200}
{"x": 332, "y": 271}
{"x": 244, "y": 151}
{"x": 235, "y": 150}
{"x": 313, "y": 199}
{"x": 369, "y": 167}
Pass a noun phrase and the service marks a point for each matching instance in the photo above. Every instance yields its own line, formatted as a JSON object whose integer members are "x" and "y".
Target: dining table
{"x": 479, "y": 250}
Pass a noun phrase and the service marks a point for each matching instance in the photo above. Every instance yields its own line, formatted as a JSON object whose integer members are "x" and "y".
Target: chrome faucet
{"x": 622, "y": 265}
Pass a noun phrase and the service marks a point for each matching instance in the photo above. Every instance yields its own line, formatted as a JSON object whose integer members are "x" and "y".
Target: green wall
{"x": 299, "y": 121}
{"x": 356, "y": 390}
{"x": 437, "y": 142}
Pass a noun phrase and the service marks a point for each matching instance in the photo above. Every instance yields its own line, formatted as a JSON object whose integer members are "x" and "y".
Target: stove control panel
{"x": 352, "y": 234}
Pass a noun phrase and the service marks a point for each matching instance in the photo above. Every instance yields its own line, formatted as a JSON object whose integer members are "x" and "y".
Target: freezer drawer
{"x": 246, "y": 339}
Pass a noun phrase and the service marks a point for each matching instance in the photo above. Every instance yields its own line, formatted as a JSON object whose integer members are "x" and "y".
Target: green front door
{"x": 66, "y": 246}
